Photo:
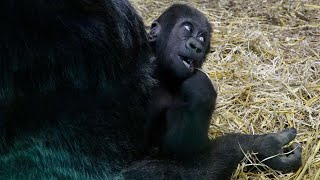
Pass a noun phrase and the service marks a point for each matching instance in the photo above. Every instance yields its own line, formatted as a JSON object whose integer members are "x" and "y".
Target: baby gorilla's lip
{"x": 188, "y": 62}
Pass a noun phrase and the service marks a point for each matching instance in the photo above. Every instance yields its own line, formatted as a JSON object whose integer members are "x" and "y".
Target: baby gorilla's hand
{"x": 279, "y": 158}
{"x": 198, "y": 89}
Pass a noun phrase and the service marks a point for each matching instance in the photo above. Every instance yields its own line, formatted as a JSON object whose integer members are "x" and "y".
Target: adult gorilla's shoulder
{"x": 74, "y": 81}
{"x": 77, "y": 47}
{"x": 72, "y": 40}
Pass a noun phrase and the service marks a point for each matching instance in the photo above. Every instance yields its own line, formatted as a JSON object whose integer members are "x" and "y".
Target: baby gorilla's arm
{"x": 187, "y": 123}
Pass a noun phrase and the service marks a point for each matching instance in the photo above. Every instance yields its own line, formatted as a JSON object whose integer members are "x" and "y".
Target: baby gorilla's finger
{"x": 297, "y": 147}
{"x": 287, "y": 162}
{"x": 292, "y": 161}
{"x": 286, "y": 136}
{"x": 292, "y": 148}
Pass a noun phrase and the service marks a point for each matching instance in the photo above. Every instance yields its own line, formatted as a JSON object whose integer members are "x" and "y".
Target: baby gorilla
{"x": 182, "y": 104}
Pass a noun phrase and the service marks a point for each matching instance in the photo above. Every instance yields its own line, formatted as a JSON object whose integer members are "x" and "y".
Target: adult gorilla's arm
{"x": 187, "y": 122}
{"x": 220, "y": 159}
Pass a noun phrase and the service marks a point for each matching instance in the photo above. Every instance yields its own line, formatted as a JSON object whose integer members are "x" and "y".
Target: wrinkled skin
{"x": 75, "y": 81}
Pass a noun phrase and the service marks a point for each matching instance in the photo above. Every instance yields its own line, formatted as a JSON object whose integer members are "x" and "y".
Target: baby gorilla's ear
{"x": 154, "y": 31}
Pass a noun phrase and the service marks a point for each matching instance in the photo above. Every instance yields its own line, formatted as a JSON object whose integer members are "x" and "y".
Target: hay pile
{"x": 265, "y": 64}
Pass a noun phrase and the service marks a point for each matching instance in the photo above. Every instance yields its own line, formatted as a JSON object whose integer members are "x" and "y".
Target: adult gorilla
{"x": 74, "y": 82}
{"x": 67, "y": 68}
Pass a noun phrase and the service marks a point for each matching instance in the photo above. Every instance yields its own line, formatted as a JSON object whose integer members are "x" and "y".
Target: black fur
{"x": 182, "y": 103}
{"x": 67, "y": 70}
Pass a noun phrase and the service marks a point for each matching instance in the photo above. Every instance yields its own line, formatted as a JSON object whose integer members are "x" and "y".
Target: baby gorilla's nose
{"x": 194, "y": 45}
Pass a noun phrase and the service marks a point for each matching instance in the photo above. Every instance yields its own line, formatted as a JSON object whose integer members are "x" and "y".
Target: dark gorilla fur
{"x": 67, "y": 69}
{"x": 75, "y": 80}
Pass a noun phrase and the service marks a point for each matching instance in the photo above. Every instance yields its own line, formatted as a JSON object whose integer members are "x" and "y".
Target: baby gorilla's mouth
{"x": 188, "y": 62}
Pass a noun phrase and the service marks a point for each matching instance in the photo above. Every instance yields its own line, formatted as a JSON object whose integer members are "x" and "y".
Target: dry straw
{"x": 265, "y": 65}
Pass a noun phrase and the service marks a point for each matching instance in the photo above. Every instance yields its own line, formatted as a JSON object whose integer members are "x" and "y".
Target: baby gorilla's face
{"x": 186, "y": 47}
{"x": 181, "y": 40}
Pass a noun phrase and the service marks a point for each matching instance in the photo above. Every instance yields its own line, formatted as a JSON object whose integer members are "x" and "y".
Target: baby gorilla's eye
{"x": 201, "y": 38}
{"x": 188, "y": 27}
